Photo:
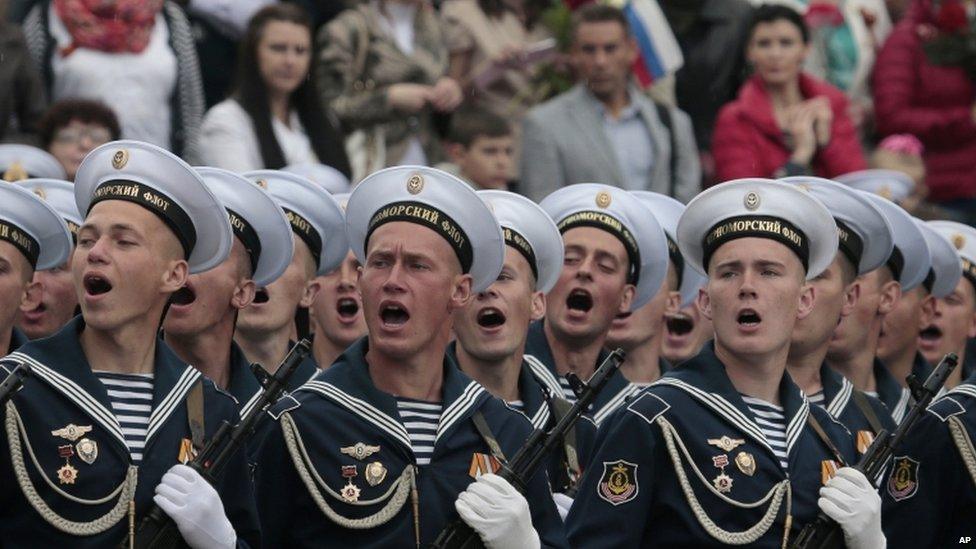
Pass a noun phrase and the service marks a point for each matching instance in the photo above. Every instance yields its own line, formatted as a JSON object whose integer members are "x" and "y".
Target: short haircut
{"x": 848, "y": 271}
{"x": 770, "y": 13}
{"x": 468, "y": 124}
{"x": 87, "y": 111}
{"x": 598, "y": 13}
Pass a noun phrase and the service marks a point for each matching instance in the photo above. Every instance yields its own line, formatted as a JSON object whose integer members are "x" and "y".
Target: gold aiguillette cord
{"x": 415, "y": 498}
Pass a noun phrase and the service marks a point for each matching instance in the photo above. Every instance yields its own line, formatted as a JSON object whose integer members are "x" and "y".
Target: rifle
{"x": 824, "y": 533}
{"x": 519, "y": 470}
{"x": 157, "y": 530}
{"x": 13, "y": 382}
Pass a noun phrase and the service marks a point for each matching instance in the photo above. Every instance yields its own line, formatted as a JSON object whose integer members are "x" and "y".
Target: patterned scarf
{"x": 113, "y": 26}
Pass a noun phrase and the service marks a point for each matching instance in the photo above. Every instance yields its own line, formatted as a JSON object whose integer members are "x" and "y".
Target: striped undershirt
{"x": 818, "y": 398}
{"x": 517, "y": 404}
{"x": 131, "y": 396}
{"x": 568, "y": 392}
{"x": 421, "y": 419}
{"x": 772, "y": 421}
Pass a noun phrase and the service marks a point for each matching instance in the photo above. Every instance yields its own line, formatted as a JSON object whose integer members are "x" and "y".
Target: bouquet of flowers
{"x": 951, "y": 41}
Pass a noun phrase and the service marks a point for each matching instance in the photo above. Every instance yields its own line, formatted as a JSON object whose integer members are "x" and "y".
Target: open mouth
{"x": 748, "y": 318}
{"x": 184, "y": 296}
{"x": 679, "y": 325}
{"x": 347, "y": 308}
{"x": 490, "y": 318}
{"x": 96, "y": 285}
{"x": 261, "y": 295}
{"x": 579, "y": 300}
{"x": 394, "y": 314}
{"x": 931, "y": 333}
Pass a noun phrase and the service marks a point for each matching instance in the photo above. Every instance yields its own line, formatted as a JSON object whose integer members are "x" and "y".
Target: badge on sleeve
{"x": 903, "y": 479}
{"x": 618, "y": 485}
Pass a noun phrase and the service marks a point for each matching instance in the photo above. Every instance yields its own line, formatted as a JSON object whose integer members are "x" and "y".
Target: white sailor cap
{"x": 313, "y": 213}
{"x": 863, "y": 232}
{"x": 909, "y": 261}
{"x": 617, "y": 212}
{"x": 760, "y": 208}
{"x": 323, "y": 175}
{"x": 19, "y": 162}
{"x": 434, "y": 199}
{"x": 34, "y": 227}
{"x": 963, "y": 239}
{"x": 667, "y": 211}
{"x": 343, "y": 200}
{"x": 890, "y": 184}
{"x": 159, "y": 181}
{"x": 531, "y": 232}
{"x": 60, "y": 194}
{"x": 257, "y": 221}
{"x": 945, "y": 272}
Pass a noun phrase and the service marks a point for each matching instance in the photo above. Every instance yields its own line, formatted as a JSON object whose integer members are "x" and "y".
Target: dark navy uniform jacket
{"x": 632, "y": 495}
{"x": 245, "y": 386}
{"x": 534, "y": 380}
{"x": 342, "y": 407}
{"x": 62, "y": 390}
{"x": 614, "y": 392}
{"x": 929, "y": 497}
{"x": 895, "y": 397}
{"x": 839, "y": 401}
{"x": 921, "y": 368}
{"x": 17, "y": 338}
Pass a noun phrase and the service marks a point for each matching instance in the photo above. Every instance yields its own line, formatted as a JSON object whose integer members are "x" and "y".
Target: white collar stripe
{"x": 965, "y": 389}
{"x": 246, "y": 409}
{"x": 76, "y": 394}
{"x": 901, "y": 408}
{"x": 458, "y": 408}
{"x": 839, "y": 403}
{"x": 543, "y": 374}
{"x": 362, "y": 409}
{"x": 172, "y": 401}
{"x": 616, "y": 402}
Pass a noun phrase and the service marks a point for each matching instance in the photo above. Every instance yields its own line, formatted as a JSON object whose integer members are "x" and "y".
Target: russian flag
{"x": 659, "y": 51}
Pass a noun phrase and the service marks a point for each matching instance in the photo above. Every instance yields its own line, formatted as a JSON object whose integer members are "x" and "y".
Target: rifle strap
{"x": 965, "y": 445}
{"x": 818, "y": 429}
{"x": 194, "y": 416}
{"x": 560, "y": 408}
{"x": 861, "y": 401}
{"x": 482, "y": 426}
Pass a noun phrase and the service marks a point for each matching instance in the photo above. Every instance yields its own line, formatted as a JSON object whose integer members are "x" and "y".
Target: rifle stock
{"x": 13, "y": 382}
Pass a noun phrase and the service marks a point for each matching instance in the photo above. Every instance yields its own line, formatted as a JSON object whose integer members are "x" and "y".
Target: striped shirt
{"x": 131, "y": 396}
{"x": 517, "y": 404}
{"x": 568, "y": 392}
{"x": 421, "y": 419}
{"x": 772, "y": 421}
{"x": 818, "y": 398}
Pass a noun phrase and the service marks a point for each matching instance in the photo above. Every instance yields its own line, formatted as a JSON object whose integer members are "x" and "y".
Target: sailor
{"x": 19, "y": 162}
{"x": 336, "y": 314}
{"x": 685, "y": 333}
{"x": 864, "y": 242}
{"x": 199, "y": 324}
{"x": 615, "y": 261}
{"x": 930, "y": 490}
{"x": 100, "y": 428}
{"x": 898, "y": 347}
{"x": 491, "y": 333}
{"x": 377, "y": 448}
{"x": 53, "y": 301}
{"x": 854, "y": 344}
{"x": 640, "y": 332}
{"x": 33, "y": 237}
{"x": 266, "y": 327}
{"x": 955, "y": 314}
{"x": 723, "y": 450}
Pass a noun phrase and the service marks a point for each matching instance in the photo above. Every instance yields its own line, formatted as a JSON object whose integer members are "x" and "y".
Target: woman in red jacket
{"x": 912, "y": 94}
{"x": 784, "y": 122}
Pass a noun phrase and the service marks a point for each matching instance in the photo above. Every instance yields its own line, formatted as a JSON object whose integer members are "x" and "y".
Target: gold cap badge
{"x": 603, "y": 199}
{"x": 958, "y": 240}
{"x": 751, "y": 201}
{"x": 120, "y": 159}
{"x": 15, "y": 172}
{"x": 415, "y": 184}
{"x": 39, "y": 191}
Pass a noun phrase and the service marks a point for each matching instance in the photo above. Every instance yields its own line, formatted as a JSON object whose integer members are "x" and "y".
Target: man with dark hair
{"x": 480, "y": 145}
{"x": 71, "y": 128}
{"x": 605, "y": 129}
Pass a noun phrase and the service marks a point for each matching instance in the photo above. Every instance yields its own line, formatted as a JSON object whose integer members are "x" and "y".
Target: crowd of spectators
{"x": 528, "y": 95}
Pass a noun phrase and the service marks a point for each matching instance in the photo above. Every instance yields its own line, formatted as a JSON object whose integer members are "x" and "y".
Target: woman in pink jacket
{"x": 784, "y": 122}
{"x": 933, "y": 99}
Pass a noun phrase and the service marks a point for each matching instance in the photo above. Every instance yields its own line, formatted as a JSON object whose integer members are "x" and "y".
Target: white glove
{"x": 563, "y": 503}
{"x": 498, "y": 513}
{"x": 195, "y": 507}
{"x": 853, "y": 502}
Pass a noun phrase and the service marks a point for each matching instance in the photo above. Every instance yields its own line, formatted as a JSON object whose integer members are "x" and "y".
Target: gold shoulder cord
{"x": 397, "y": 494}
{"x": 774, "y": 496}
{"x": 125, "y": 491}
{"x": 965, "y": 445}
